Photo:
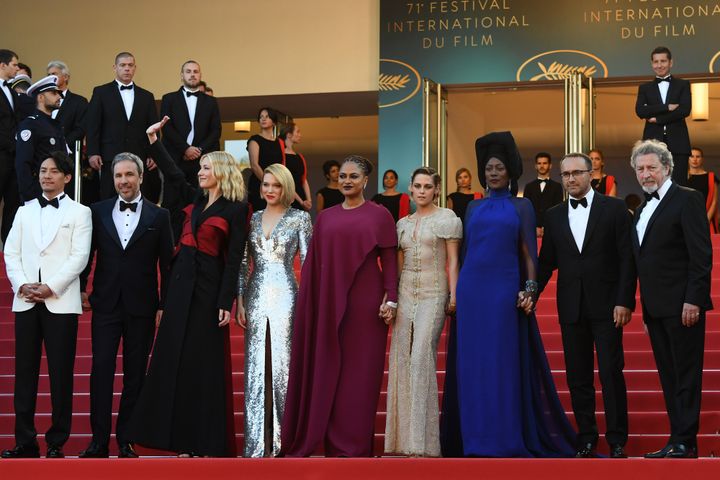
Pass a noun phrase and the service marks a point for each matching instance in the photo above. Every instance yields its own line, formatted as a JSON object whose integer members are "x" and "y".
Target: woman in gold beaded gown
{"x": 266, "y": 305}
{"x": 428, "y": 243}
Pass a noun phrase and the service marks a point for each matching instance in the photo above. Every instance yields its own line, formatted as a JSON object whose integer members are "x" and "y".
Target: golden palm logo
{"x": 559, "y": 65}
{"x": 559, "y": 71}
{"x": 392, "y": 82}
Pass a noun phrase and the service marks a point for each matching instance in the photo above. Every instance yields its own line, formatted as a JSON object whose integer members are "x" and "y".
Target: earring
{"x": 365, "y": 186}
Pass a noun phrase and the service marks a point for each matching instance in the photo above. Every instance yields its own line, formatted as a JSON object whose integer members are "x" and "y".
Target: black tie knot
{"x": 44, "y": 202}
{"x": 542, "y": 180}
{"x": 126, "y": 87}
{"x": 650, "y": 196}
{"x": 7, "y": 83}
{"x": 574, "y": 203}
{"x": 192, "y": 94}
{"x": 128, "y": 205}
{"x": 660, "y": 80}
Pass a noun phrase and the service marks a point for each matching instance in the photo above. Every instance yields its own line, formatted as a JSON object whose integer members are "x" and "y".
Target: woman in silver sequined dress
{"x": 266, "y": 304}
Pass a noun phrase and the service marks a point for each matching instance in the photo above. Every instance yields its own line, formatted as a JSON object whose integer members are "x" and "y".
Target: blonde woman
{"x": 265, "y": 307}
{"x": 186, "y": 402}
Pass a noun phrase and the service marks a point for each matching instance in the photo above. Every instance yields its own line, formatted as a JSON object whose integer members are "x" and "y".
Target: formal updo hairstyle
{"x": 286, "y": 130}
{"x": 271, "y": 113}
{"x": 457, "y": 176}
{"x": 362, "y": 163}
{"x": 430, "y": 172}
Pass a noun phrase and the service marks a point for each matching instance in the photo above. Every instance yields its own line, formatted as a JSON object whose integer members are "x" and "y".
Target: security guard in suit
{"x": 38, "y": 136}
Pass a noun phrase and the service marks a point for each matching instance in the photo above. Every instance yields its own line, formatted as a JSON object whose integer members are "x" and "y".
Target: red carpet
{"x": 648, "y": 421}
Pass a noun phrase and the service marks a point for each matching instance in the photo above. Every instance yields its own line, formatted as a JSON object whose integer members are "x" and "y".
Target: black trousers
{"x": 678, "y": 352}
{"x": 190, "y": 168}
{"x": 8, "y": 192}
{"x": 59, "y": 333}
{"x": 578, "y": 341}
{"x": 680, "y": 168}
{"x": 137, "y": 334}
{"x": 150, "y": 187}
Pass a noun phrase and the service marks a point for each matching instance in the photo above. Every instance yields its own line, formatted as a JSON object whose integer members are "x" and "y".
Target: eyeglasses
{"x": 573, "y": 174}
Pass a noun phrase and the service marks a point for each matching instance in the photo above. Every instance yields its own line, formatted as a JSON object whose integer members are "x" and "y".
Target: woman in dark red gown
{"x": 344, "y": 306}
{"x": 186, "y": 402}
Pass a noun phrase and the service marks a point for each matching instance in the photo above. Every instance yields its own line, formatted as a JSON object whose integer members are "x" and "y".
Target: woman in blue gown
{"x": 500, "y": 399}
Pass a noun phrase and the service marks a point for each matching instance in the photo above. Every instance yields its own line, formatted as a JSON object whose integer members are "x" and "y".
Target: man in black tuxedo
{"x": 8, "y": 128}
{"x": 131, "y": 240}
{"x": 71, "y": 116}
{"x": 673, "y": 253}
{"x": 117, "y": 117}
{"x": 194, "y": 127}
{"x": 587, "y": 239}
{"x": 663, "y": 104}
{"x": 543, "y": 192}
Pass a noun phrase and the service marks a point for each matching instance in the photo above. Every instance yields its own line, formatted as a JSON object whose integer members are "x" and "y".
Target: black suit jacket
{"x": 543, "y": 200}
{"x": 8, "y": 123}
{"x": 649, "y": 104}
{"x": 129, "y": 275}
{"x": 207, "y": 124}
{"x": 675, "y": 258}
{"x": 72, "y": 117}
{"x": 109, "y": 132}
{"x": 603, "y": 274}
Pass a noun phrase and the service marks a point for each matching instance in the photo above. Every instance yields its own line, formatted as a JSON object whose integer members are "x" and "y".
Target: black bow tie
{"x": 7, "y": 83}
{"x": 192, "y": 94}
{"x": 660, "y": 80}
{"x": 126, "y": 87}
{"x": 125, "y": 205}
{"x": 542, "y": 180}
{"x": 574, "y": 203}
{"x": 650, "y": 196}
{"x": 55, "y": 202}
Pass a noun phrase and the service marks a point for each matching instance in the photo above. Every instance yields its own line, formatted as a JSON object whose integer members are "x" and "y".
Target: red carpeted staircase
{"x": 648, "y": 421}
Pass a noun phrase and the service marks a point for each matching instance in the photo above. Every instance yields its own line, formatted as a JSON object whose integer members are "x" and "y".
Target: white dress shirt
{"x": 649, "y": 209}
{"x": 128, "y": 97}
{"x": 50, "y": 219}
{"x": 578, "y": 219}
{"x": 6, "y": 91}
{"x": 663, "y": 87}
{"x": 191, "y": 103}
{"x": 127, "y": 221}
{"x": 543, "y": 183}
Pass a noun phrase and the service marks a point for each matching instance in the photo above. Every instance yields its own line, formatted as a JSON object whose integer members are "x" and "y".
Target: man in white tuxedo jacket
{"x": 46, "y": 250}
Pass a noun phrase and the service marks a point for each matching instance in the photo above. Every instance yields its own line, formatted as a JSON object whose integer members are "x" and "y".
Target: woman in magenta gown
{"x": 344, "y": 306}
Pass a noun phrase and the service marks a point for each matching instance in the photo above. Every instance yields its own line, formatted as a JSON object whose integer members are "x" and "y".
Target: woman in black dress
{"x": 295, "y": 162}
{"x": 186, "y": 402}
{"x": 397, "y": 203}
{"x": 605, "y": 184}
{"x": 459, "y": 200}
{"x": 329, "y": 195}
{"x": 704, "y": 182}
{"x": 264, "y": 150}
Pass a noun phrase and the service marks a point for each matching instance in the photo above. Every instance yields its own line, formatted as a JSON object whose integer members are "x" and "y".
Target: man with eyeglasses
{"x": 587, "y": 239}
{"x": 543, "y": 192}
{"x": 673, "y": 253}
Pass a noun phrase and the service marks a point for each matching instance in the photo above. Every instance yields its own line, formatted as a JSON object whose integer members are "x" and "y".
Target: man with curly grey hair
{"x": 673, "y": 253}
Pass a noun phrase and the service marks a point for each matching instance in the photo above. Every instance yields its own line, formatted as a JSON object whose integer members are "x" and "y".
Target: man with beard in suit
{"x": 117, "y": 117}
{"x": 8, "y": 128}
{"x": 673, "y": 254}
{"x": 663, "y": 104}
{"x": 194, "y": 127}
{"x": 587, "y": 239}
{"x": 45, "y": 253}
{"x": 543, "y": 192}
{"x": 131, "y": 240}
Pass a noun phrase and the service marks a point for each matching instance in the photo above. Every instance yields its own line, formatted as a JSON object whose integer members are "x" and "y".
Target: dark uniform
{"x": 38, "y": 136}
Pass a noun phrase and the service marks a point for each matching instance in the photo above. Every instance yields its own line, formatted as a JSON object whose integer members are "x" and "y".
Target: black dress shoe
{"x": 617, "y": 451}
{"x": 127, "y": 451}
{"x": 22, "y": 451}
{"x": 682, "y": 450}
{"x": 587, "y": 450}
{"x": 662, "y": 453}
{"x": 54, "y": 452}
{"x": 95, "y": 450}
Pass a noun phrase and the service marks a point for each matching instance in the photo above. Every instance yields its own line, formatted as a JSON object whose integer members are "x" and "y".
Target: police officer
{"x": 38, "y": 136}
